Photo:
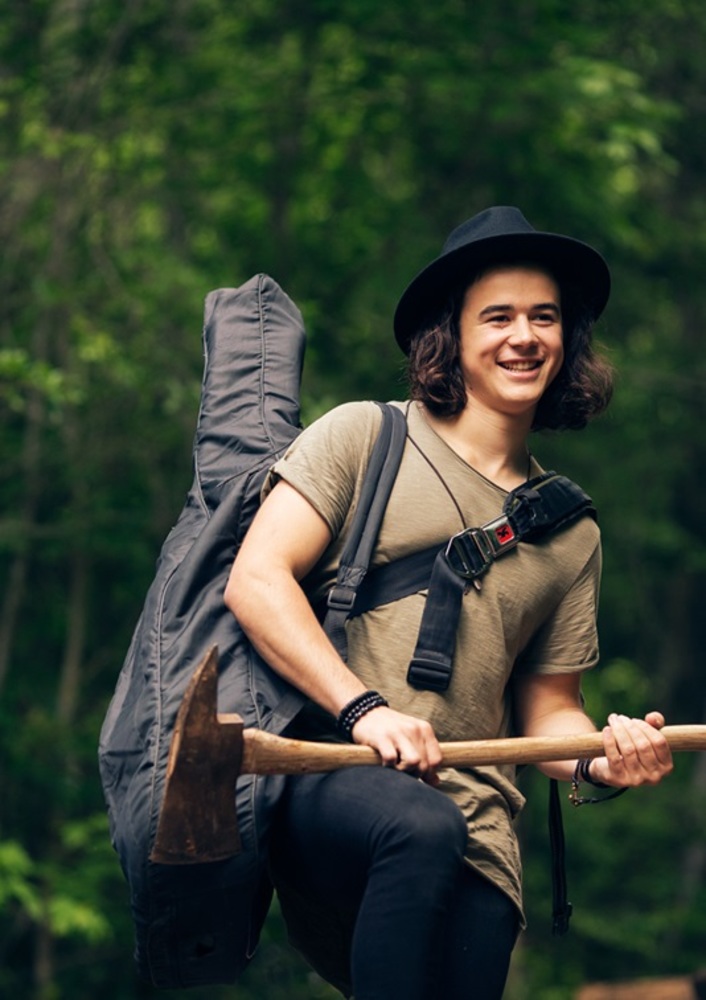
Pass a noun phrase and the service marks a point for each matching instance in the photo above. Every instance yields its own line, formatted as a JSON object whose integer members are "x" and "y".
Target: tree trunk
{"x": 69, "y": 680}
{"x": 31, "y": 470}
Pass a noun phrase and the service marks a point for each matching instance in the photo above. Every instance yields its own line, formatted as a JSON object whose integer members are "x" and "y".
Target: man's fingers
{"x": 403, "y": 741}
{"x": 636, "y": 751}
{"x": 655, "y": 753}
{"x": 419, "y": 750}
{"x": 409, "y": 757}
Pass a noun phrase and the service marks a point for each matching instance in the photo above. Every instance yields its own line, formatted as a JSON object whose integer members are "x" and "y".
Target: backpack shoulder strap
{"x": 377, "y": 485}
{"x": 544, "y": 504}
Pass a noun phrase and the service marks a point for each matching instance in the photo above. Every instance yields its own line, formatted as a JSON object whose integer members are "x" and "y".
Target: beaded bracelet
{"x": 356, "y": 709}
{"x": 582, "y": 772}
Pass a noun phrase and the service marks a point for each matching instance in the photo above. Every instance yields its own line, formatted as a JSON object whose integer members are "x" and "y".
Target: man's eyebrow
{"x": 552, "y": 306}
{"x": 496, "y": 308}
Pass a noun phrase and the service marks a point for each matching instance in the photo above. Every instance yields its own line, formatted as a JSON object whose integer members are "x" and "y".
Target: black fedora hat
{"x": 496, "y": 235}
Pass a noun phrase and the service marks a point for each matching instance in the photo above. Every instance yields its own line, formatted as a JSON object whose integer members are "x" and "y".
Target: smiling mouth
{"x": 521, "y": 366}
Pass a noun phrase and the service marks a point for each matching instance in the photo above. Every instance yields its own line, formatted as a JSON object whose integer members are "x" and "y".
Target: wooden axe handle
{"x": 198, "y": 821}
{"x": 264, "y": 753}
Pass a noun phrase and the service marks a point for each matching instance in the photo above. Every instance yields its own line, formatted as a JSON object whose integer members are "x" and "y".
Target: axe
{"x": 210, "y": 750}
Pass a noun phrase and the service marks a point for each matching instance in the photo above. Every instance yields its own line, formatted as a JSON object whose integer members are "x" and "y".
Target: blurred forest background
{"x": 151, "y": 150}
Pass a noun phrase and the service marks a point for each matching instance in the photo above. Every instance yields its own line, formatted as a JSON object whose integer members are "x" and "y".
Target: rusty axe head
{"x": 198, "y": 820}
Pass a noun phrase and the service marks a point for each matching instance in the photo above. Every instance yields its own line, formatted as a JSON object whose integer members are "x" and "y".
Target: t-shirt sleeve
{"x": 567, "y": 642}
{"x": 325, "y": 461}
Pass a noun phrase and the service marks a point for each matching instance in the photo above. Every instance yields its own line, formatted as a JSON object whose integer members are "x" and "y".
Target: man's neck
{"x": 494, "y": 444}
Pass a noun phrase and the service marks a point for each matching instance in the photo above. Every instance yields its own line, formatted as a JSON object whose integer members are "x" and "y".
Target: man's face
{"x": 511, "y": 339}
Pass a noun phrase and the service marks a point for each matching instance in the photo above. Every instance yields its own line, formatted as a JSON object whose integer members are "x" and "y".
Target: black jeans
{"x": 382, "y": 854}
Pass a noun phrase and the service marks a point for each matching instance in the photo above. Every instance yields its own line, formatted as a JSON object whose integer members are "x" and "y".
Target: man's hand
{"x": 636, "y": 753}
{"x": 403, "y": 742}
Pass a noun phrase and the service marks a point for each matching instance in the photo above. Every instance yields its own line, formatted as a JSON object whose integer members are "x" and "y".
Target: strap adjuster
{"x": 341, "y": 599}
{"x": 470, "y": 552}
{"x": 429, "y": 674}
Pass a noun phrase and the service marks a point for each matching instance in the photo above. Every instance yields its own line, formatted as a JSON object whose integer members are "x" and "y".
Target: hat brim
{"x": 564, "y": 257}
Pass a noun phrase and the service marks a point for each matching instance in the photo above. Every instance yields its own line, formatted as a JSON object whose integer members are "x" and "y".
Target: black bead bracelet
{"x": 356, "y": 709}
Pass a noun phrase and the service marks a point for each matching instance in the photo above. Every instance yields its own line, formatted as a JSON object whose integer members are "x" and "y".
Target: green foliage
{"x": 16, "y": 886}
{"x": 150, "y": 152}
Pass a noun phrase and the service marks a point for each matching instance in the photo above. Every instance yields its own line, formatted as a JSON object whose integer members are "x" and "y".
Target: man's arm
{"x": 636, "y": 753}
{"x": 286, "y": 539}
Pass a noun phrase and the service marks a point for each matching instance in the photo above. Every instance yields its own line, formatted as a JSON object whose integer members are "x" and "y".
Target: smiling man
{"x": 395, "y": 887}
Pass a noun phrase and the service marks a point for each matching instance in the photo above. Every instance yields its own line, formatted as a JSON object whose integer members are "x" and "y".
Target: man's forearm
{"x": 279, "y": 621}
{"x": 565, "y": 722}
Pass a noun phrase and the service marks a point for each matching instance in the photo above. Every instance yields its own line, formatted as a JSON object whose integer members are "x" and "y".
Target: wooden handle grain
{"x": 264, "y": 753}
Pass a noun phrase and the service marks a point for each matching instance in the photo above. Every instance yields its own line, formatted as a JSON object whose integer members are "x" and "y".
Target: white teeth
{"x": 519, "y": 366}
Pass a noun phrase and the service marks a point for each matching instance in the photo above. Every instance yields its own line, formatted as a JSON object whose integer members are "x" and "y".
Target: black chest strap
{"x": 532, "y": 511}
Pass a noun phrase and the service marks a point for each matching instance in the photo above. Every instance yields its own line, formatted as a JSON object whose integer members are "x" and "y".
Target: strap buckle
{"x": 341, "y": 598}
{"x": 470, "y": 552}
{"x": 427, "y": 673}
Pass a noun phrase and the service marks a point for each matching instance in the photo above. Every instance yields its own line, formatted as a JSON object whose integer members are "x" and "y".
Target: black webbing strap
{"x": 431, "y": 665}
{"x": 394, "y": 580}
{"x": 561, "y": 907}
{"x": 375, "y": 492}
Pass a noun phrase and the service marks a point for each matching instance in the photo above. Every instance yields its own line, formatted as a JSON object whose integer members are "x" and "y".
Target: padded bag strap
{"x": 355, "y": 559}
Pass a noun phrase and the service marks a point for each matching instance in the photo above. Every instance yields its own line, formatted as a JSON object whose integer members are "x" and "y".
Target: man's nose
{"x": 522, "y": 331}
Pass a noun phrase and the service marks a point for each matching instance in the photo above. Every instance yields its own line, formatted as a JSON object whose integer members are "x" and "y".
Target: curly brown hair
{"x": 581, "y": 390}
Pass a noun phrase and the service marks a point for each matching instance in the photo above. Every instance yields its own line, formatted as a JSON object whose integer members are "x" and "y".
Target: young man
{"x": 423, "y": 876}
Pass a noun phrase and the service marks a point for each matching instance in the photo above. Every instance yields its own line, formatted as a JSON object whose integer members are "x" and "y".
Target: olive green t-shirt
{"x": 535, "y": 611}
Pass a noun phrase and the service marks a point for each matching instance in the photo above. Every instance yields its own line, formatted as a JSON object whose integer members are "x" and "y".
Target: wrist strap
{"x": 582, "y": 773}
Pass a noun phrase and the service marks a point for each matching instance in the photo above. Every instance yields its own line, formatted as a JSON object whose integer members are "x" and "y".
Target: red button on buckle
{"x": 504, "y": 534}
